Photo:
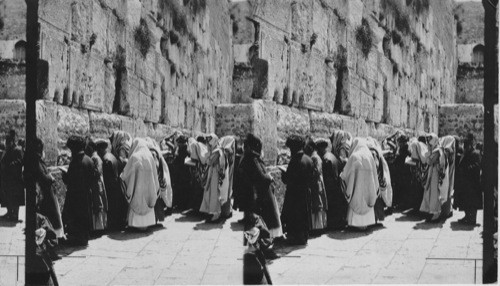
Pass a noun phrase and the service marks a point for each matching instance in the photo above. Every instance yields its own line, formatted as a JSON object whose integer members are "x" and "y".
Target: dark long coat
{"x": 295, "y": 215}
{"x": 117, "y": 204}
{"x": 337, "y": 204}
{"x": 77, "y": 212}
{"x": 11, "y": 175}
{"x": 48, "y": 206}
{"x": 468, "y": 194}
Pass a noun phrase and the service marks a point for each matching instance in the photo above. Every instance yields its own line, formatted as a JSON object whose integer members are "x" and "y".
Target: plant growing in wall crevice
{"x": 364, "y": 36}
{"x": 143, "y": 37}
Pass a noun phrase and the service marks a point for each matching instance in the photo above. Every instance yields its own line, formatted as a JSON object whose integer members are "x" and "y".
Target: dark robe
{"x": 117, "y": 204}
{"x": 337, "y": 204}
{"x": 48, "y": 206}
{"x": 77, "y": 213}
{"x": 468, "y": 194}
{"x": 256, "y": 190}
{"x": 181, "y": 180}
{"x": 295, "y": 215}
{"x": 11, "y": 175}
{"x": 406, "y": 190}
{"x": 238, "y": 197}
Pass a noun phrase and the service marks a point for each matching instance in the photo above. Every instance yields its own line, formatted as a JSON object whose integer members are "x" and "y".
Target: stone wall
{"x": 470, "y": 84}
{"x": 460, "y": 119}
{"x": 147, "y": 67}
{"x": 12, "y": 79}
{"x": 470, "y": 21}
{"x": 364, "y": 66}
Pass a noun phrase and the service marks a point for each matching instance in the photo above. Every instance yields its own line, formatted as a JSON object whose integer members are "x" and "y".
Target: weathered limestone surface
{"x": 316, "y": 62}
{"x": 12, "y": 80}
{"x": 258, "y": 118}
{"x": 460, "y": 119}
{"x": 12, "y": 116}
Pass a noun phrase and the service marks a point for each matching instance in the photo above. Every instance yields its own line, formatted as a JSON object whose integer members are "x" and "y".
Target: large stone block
{"x": 47, "y": 131}
{"x": 265, "y": 126}
{"x": 57, "y": 13}
{"x": 54, "y": 51}
{"x": 258, "y": 118}
{"x": 242, "y": 84}
{"x": 277, "y": 12}
{"x": 302, "y": 24}
{"x": 243, "y": 28}
{"x": 87, "y": 80}
{"x": 12, "y": 80}
{"x": 275, "y": 51}
{"x": 307, "y": 79}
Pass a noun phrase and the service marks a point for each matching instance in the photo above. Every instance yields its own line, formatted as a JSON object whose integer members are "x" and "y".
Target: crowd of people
{"x": 343, "y": 182}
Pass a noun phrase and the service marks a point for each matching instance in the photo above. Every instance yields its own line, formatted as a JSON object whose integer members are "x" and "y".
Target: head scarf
{"x": 341, "y": 142}
{"x": 120, "y": 140}
{"x": 433, "y": 142}
{"x": 165, "y": 191}
{"x": 198, "y": 151}
{"x": 141, "y": 178}
{"x": 418, "y": 150}
{"x": 213, "y": 141}
{"x": 360, "y": 178}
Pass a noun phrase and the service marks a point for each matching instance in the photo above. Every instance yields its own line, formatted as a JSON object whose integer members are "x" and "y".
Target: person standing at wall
{"x": 337, "y": 205}
{"x": 77, "y": 212}
{"x": 297, "y": 177}
{"x": 141, "y": 179}
{"x": 48, "y": 206}
{"x": 117, "y": 204}
{"x": 468, "y": 193}
{"x": 361, "y": 184}
{"x": 181, "y": 187}
{"x": 11, "y": 175}
{"x": 432, "y": 199}
{"x": 99, "y": 200}
{"x": 319, "y": 205}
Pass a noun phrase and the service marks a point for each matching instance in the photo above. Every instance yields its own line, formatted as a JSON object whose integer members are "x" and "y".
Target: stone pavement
{"x": 188, "y": 251}
{"x": 405, "y": 250}
{"x": 12, "y": 250}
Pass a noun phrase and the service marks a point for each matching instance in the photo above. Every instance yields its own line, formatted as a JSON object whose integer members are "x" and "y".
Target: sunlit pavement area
{"x": 12, "y": 249}
{"x": 186, "y": 250}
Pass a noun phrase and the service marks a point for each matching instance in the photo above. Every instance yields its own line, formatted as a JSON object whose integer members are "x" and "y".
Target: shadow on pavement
{"x": 284, "y": 250}
{"x": 208, "y": 226}
{"x": 411, "y": 215}
{"x": 351, "y": 232}
{"x": 235, "y": 226}
{"x": 65, "y": 250}
{"x": 190, "y": 218}
{"x": 132, "y": 233}
{"x": 428, "y": 225}
{"x": 456, "y": 226}
{"x": 4, "y": 222}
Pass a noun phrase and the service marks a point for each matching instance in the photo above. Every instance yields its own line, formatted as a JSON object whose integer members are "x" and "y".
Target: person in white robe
{"x": 360, "y": 181}
{"x": 141, "y": 179}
